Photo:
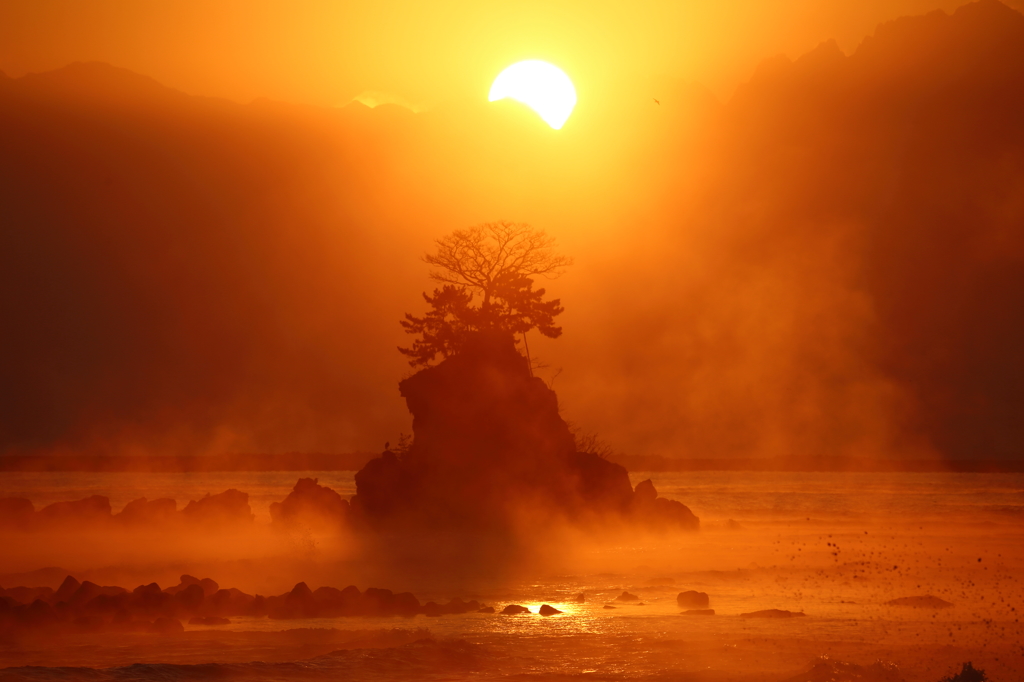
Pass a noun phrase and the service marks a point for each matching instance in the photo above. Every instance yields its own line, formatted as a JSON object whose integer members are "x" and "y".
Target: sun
{"x": 539, "y": 85}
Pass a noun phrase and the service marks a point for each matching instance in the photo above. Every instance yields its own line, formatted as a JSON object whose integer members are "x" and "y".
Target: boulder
{"x": 66, "y": 590}
{"x": 514, "y": 610}
{"x": 626, "y": 596}
{"x": 691, "y": 599}
{"x": 546, "y": 610}
{"x": 90, "y": 511}
{"x": 167, "y": 626}
{"x": 310, "y": 505}
{"x": 228, "y": 507}
{"x": 143, "y": 512}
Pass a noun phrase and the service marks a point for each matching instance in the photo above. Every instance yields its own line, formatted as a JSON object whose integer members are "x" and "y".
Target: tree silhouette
{"x": 497, "y": 263}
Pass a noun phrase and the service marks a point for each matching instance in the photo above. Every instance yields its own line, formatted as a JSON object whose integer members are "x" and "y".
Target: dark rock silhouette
{"x": 699, "y": 612}
{"x": 311, "y": 505}
{"x": 546, "y": 610}
{"x": 230, "y": 506}
{"x": 145, "y": 512}
{"x": 772, "y": 613}
{"x": 514, "y": 610}
{"x": 626, "y": 596}
{"x": 490, "y": 446}
{"x": 829, "y": 670}
{"x": 66, "y": 589}
{"x": 925, "y": 601}
{"x": 691, "y": 599}
{"x": 88, "y": 511}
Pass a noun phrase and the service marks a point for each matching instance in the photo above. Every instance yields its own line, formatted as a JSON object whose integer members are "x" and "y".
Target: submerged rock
{"x": 773, "y": 613}
{"x": 925, "y": 601}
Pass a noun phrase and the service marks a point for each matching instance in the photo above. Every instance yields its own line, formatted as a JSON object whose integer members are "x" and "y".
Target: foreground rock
{"x": 491, "y": 446}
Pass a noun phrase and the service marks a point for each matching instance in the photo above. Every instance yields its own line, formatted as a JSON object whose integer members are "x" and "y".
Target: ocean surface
{"x": 832, "y": 548}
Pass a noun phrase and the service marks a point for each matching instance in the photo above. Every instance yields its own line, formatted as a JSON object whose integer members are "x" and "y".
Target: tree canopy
{"x": 495, "y": 263}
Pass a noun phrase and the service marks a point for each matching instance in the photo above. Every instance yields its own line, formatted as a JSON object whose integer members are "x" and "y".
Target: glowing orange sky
{"x": 326, "y": 52}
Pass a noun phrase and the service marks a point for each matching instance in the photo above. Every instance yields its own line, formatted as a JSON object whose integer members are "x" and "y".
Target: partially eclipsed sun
{"x": 541, "y": 86}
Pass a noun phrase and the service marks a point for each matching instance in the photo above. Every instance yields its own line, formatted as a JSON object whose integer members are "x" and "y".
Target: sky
{"x": 424, "y": 54}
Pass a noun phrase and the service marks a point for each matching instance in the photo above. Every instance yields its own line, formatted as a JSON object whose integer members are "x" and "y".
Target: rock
{"x": 167, "y": 626}
{"x": 644, "y": 494}
{"x": 546, "y": 610}
{"x": 228, "y": 507}
{"x": 487, "y": 435}
{"x": 208, "y": 620}
{"x": 485, "y": 609}
{"x": 580, "y": 598}
{"x": 189, "y": 600}
{"x": 66, "y": 590}
{"x": 89, "y": 511}
{"x": 608, "y": 606}
{"x": 926, "y": 601}
{"x": 691, "y": 599}
{"x": 773, "y": 613}
{"x": 699, "y": 612}
{"x": 626, "y": 596}
{"x": 229, "y": 602}
{"x": 514, "y": 610}
{"x": 147, "y": 512}
{"x": 311, "y": 505}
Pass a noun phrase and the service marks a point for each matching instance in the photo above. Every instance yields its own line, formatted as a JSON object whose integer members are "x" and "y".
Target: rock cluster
{"x": 228, "y": 507}
{"x": 86, "y": 606}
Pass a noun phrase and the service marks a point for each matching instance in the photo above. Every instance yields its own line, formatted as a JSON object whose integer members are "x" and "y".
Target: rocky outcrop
{"x": 311, "y": 505}
{"x": 230, "y": 506}
{"x": 491, "y": 448}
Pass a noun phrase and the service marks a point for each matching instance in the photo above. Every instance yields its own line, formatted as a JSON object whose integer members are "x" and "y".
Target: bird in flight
{"x": 656, "y": 102}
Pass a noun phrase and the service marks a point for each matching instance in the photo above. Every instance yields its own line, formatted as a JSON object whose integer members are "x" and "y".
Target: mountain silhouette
{"x": 830, "y": 265}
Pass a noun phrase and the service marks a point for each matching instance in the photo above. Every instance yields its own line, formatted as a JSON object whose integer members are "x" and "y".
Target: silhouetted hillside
{"x": 866, "y": 222}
